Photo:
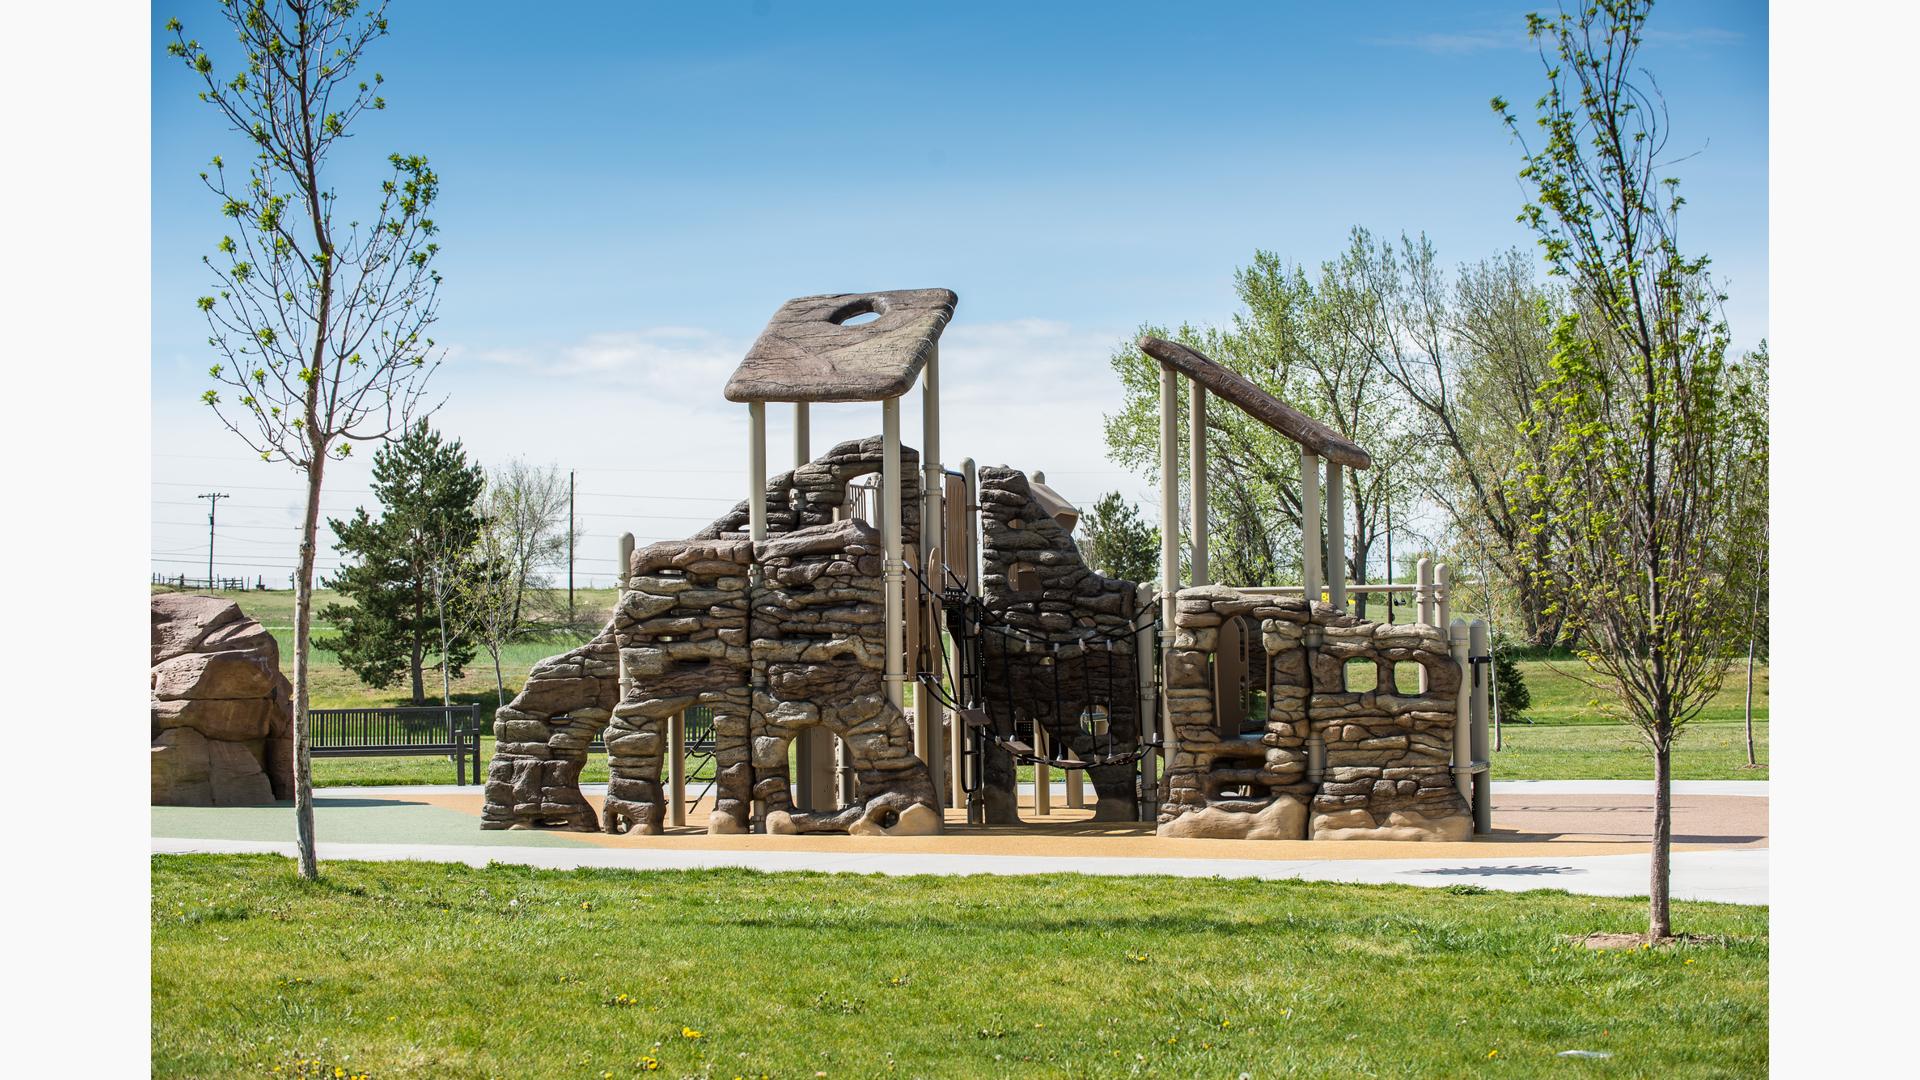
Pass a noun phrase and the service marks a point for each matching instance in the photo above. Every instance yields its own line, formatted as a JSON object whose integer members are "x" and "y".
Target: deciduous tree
{"x": 1655, "y": 530}
{"x": 318, "y": 314}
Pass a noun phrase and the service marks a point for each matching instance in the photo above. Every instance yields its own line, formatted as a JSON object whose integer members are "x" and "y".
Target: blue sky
{"x": 629, "y": 190}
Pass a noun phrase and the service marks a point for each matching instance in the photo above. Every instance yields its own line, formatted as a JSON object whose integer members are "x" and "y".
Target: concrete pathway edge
{"x": 1738, "y": 877}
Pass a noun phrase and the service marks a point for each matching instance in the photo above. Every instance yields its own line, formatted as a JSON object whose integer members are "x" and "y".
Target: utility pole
{"x": 213, "y": 503}
{"x": 569, "y": 545}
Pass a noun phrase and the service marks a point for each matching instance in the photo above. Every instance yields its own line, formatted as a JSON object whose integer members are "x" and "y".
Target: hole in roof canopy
{"x": 858, "y": 312}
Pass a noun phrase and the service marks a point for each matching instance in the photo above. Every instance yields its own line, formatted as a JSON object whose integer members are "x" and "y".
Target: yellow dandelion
{"x": 690, "y": 1033}
{"x": 1493, "y": 1053}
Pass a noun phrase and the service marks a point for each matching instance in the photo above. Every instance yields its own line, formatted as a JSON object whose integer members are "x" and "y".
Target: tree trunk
{"x": 499, "y": 683}
{"x": 1753, "y": 633}
{"x": 1750, "y": 758}
{"x": 418, "y": 658}
{"x": 1659, "y": 925}
{"x": 302, "y": 676}
{"x": 446, "y": 678}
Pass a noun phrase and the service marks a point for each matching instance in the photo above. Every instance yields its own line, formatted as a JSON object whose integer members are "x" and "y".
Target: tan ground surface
{"x": 1524, "y": 825}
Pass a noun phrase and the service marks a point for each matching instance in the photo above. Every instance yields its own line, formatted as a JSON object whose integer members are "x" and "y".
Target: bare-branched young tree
{"x": 522, "y": 532}
{"x": 318, "y": 319}
{"x": 1648, "y": 480}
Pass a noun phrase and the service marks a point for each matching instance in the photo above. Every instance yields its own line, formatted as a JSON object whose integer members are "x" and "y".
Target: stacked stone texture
{"x": 1387, "y": 755}
{"x": 689, "y": 629}
{"x": 541, "y": 739}
{"x": 222, "y": 713}
{"x": 814, "y": 493}
{"x": 1036, "y": 581}
{"x": 818, "y": 660}
{"x": 681, "y": 625}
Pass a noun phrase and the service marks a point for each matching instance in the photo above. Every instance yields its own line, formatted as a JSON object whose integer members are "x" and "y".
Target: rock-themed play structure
{"x": 876, "y": 641}
{"x": 222, "y": 711}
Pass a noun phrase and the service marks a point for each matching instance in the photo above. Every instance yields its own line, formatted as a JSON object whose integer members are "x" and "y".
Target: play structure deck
{"x": 801, "y": 620}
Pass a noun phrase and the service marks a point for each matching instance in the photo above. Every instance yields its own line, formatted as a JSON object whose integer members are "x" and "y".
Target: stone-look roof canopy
{"x": 1257, "y": 403}
{"x": 806, "y": 353}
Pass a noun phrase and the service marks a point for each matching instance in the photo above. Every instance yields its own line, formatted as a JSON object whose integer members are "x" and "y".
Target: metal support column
{"x": 1480, "y": 644}
{"x": 1459, "y": 644}
{"x": 896, "y": 644}
{"x": 1337, "y": 535}
{"x": 1197, "y": 481}
{"x": 1310, "y": 534}
{"x": 932, "y": 712}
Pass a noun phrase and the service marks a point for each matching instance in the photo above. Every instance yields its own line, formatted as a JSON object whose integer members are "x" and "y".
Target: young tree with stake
{"x": 1643, "y": 488}
{"x": 318, "y": 325}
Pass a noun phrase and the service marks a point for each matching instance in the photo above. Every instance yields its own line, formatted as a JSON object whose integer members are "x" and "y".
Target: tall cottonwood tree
{"x": 1466, "y": 360}
{"x": 1289, "y": 340}
{"x": 1645, "y": 480}
{"x": 318, "y": 315}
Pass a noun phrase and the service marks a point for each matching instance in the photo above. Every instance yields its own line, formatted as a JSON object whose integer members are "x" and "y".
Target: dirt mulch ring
{"x": 1603, "y": 940}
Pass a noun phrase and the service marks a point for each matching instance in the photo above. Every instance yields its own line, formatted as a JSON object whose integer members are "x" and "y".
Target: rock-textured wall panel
{"x": 803, "y": 648}
{"x": 222, "y": 713}
{"x": 818, "y": 661}
{"x": 681, "y": 625}
{"x": 1386, "y": 772}
{"x": 1070, "y": 653}
{"x": 541, "y": 739}
{"x": 815, "y": 493}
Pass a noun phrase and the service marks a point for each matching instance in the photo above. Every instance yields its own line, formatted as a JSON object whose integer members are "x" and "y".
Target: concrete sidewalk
{"x": 1738, "y": 877}
{"x": 1583, "y": 836}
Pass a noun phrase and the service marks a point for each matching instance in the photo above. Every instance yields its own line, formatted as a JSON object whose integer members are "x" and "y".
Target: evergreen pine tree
{"x": 428, "y": 497}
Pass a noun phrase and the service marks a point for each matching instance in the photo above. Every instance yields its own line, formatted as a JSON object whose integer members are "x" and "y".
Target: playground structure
{"x": 800, "y": 619}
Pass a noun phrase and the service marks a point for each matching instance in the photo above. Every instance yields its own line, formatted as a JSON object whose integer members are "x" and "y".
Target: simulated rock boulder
{"x": 222, "y": 713}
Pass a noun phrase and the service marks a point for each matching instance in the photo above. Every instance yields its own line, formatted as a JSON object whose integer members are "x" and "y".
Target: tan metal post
{"x": 1197, "y": 481}
{"x": 1169, "y": 547}
{"x": 1443, "y": 595}
{"x": 677, "y": 768}
{"x": 626, "y": 560}
{"x": 932, "y": 712}
{"x": 757, "y": 470}
{"x": 1479, "y": 644}
{"x": 1337, "y": 535}
{"x": 1458, "y": 642}
{"x": 757, "y": 526}
{"x": 1423, "y": 593}
{"x": 896, "y": 667}
{"x": 1310, "y": 534}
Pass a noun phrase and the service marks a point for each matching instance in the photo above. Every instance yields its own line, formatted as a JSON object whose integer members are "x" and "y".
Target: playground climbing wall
{"x": 1333, "y": 758}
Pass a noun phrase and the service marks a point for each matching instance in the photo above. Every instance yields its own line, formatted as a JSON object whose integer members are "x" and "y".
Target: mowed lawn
{"x": 417, "y": 969}
{"x": 1576, "y": 731}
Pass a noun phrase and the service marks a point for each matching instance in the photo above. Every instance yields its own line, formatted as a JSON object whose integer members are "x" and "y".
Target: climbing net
{"x": 970, "y": 623}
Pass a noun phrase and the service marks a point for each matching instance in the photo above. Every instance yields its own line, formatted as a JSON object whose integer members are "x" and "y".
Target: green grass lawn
{"x": 1576, "y": 733}
{"x": 419, "y": 969}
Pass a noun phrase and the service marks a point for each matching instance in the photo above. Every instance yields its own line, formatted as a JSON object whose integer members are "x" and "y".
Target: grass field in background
{"x": 422, "y": 969}
{"x": 1576, "y": 733}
